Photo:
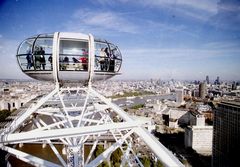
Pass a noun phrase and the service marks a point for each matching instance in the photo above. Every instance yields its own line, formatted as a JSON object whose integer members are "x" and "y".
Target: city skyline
{"x": 158, "y": 39}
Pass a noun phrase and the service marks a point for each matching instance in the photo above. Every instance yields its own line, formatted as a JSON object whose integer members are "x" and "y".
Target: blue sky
{"x": 179, "y": 39}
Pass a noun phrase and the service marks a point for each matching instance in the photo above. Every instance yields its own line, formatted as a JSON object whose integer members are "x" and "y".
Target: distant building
{"x": 226, "y": 134}
{"x": 196, "y": 82}
{"x": 234, "y": 85}
{"x": 217, "y": 81}
{"x": 202, "y": 90}
{"x": 10, "y": 104}
{"x": 195, "y": 93}
{"x": 179, "y": 95}
{"x": 199, "y": 136}
{"x": 207, "y": 79}
{"x": 174, "y": 117}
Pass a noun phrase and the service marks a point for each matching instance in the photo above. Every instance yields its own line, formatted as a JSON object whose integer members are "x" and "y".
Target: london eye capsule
{"x": 68, "y": 57}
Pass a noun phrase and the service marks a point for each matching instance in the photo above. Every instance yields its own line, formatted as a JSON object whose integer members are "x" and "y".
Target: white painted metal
{"x": 29, "y": 158}
{"x": 37, "y": 122}
{"x": 64, "y": 129}
{"x": 91, "y": 59}
{"x": 79, "y": 116}
{"x": 67, "y": 132}
{"x": 165, "y": 156}
{"x": 108, "y": 152}
{"x": 162, "y": 153}
{"x": 74, "y": 135}
{"x": 70, "y": 35}
{"x": 55, "y": 56}
{"x": 18, "y": 122}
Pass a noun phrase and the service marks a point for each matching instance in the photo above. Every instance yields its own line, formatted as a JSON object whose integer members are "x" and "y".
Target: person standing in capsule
{"x": 102, "y": 59}
{"x": 84, "y": 59}
{"x": 29, "y": 59}
{"x": 42, "y": 58}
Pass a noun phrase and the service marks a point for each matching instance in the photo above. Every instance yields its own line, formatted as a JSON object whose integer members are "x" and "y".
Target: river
{"x": 130, "y": 101}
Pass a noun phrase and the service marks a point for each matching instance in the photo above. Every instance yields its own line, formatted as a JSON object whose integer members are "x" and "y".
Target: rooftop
{"x": 231, "y": 103}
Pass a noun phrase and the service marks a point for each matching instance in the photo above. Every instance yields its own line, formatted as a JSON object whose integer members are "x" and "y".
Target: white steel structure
{"x": 78, "y": 116}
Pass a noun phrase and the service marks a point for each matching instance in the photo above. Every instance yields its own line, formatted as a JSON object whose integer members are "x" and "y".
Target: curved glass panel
{"x": 45, "y": 43}
{"x": 26, "y": 46}
{"x": 108, "y": 57}
{"x": 42, "y": 54}
{"x": 73, "y": 55}
{"x": 24, "y": 54}
{"x": 46, "y": 35}
{"x": 116, "y": 58}
{"x": 102, "y": 55}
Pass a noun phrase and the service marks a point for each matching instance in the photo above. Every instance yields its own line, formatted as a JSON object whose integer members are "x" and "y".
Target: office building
{"x": 226, "y": 135}
{"x": 179, "y": 95}
{"x": 207, "y": 79}
{"x": 234, "y": 85}
{"x": 199, "y": 136}
{"x": 202, "y": 90}
{"x": 217, "y": 81}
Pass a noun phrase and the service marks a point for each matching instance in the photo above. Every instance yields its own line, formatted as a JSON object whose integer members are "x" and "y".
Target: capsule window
{"x": 116, "y": 58}
{"x": 25, "y": 47}
{"x": 102, "y": 56}
{"x": 73, "y": 55}
{"x": 107, "y": 57}
{"x": 24, "y": 52}
{"x": 42, "y": 54}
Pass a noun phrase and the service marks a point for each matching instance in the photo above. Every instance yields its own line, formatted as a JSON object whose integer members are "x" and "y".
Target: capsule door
{"x": 73, "y": 58}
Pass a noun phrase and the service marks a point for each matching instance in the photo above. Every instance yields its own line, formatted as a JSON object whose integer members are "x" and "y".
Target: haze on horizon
{"x": 180, "y": 39}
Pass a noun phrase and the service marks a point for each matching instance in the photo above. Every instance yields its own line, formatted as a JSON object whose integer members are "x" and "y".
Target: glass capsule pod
{"x": 68, "y": 57}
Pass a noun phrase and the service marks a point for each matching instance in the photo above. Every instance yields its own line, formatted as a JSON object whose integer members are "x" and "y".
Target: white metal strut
{"x": 76, "y": 117}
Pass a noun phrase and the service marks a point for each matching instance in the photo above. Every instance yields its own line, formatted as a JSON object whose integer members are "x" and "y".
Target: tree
{"x": 137, "y": 106}
{"x": 116, "y": 157}
{"x": 99, "y": 149}
{"x": 158, "y": 164}
{"x": 104, "y": 164}
{"x": 4, "y": 114}
{"x": 146, "y": 161}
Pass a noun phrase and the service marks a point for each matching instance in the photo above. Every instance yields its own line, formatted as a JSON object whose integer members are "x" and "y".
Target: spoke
{"x": 18, "y": 122}
{"x": 64, "y": 125}
{"x": 69, "y": 132}
{"x": 64, "y": 109}
{"x": 29, "y": 158}
{"x": 84, "y": 109}
{"x": 92, "y": 149}
{"x": 51, "y": 145}
{"x": 108, "y": 152}
{"x": 45, "y": 125}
